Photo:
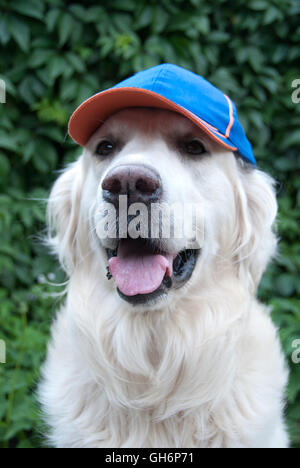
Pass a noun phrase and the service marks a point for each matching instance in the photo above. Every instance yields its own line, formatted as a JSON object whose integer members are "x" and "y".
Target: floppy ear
{"x": 254, "y": 239}
{"x": 63, "y": 214}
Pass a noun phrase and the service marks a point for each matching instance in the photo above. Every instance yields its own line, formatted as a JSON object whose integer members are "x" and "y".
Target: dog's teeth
{"x": 167, "y": 281}
{"x": 108, "y": 274}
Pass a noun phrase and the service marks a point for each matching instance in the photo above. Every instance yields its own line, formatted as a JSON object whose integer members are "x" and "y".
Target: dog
{"x": 161, "y": 341}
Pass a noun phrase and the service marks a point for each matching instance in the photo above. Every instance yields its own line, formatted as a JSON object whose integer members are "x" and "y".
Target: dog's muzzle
{"x": 142, "y": 269}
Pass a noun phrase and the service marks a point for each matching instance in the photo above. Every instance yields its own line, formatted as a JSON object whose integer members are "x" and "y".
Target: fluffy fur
{"x": 202, "y": 368}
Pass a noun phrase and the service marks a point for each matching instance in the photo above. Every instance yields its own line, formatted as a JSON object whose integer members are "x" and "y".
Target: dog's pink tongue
{"x": 137, "y": 271}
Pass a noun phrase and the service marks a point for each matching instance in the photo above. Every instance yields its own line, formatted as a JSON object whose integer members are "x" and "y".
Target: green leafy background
{"x": 56, "y": 53}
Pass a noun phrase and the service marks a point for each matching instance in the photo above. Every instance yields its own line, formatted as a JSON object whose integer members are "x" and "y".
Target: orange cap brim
{"x": 91, "y": 114}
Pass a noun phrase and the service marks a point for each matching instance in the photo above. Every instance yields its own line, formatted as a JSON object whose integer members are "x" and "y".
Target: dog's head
{"x": 155, "y": 209}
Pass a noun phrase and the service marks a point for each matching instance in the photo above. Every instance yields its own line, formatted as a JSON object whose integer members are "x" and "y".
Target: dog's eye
{"x": 194, "y": 147}
{"x": 105, "y": 148}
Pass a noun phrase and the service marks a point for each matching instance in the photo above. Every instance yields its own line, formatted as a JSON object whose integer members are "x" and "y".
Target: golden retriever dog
{"x": 160, "y": 343}
{"x": 199, "y": 364}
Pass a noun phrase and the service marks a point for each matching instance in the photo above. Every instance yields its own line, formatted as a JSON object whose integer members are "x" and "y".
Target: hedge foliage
{"x": 56, "y": 53}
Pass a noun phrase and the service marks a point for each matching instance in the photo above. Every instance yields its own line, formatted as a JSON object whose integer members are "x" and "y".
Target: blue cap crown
{"x": 211, "y": 106}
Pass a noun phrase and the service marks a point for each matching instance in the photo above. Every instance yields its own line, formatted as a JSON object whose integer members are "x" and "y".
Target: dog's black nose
{"x": 140, "y": 183}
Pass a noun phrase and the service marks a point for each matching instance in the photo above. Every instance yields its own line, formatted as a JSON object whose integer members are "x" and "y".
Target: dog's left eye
{"x": 194, "y": 147}
{"x": 105, "y": 148}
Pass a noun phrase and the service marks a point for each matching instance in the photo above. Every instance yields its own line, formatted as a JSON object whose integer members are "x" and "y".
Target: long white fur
{"x": 202, "y": 368}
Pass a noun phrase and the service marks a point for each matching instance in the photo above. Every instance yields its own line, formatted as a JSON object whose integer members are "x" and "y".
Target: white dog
{"x": 195, "y": 362}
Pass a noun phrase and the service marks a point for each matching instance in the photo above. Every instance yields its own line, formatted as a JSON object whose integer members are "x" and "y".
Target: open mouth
{"x": 144, "y": 274}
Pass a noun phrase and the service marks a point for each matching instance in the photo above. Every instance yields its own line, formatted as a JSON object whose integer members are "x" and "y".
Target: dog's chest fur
{"x": 165, "y": 379}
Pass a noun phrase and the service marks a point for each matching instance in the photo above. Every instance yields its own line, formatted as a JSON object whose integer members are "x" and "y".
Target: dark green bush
{"x": 56, "y": 53}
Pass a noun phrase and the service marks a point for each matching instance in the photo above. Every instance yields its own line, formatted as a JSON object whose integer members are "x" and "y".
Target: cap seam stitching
{"x": 155, "y": 80}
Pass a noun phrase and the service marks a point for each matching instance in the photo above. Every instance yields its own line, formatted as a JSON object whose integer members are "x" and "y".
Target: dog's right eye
{"x": 105, "y": 148}
{"x": 194, "y": 147}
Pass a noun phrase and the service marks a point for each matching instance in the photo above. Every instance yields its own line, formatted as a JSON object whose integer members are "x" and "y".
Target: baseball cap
{"x": 173, "y": 88}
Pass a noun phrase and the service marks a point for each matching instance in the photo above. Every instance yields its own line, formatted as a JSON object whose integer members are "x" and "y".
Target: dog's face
{"x": 145, "y": 162}
{"x": 164, "y": 208}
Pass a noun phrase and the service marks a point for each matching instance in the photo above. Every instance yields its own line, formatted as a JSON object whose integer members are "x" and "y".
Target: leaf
{"x": 255, "y": 118}
{"x": 26, "y": 92}
{"x": 272, "y": 14}
{"x": 295, "y": 412}
{"x": 20, "y": 32}
{"x": 291, "y": 139}
{"x": 31, "y": 8}
{"x": 144, "y": 19}
{"x": 66, "y": 25}
{"x": 69, "y": 90}
{"x": 56, "y": 67}
{"x": 76, "y": 62}
{"x": 122, "y": 23}
{"x": 284, "y": 164}
{"x": 9, "y": 87}
{"x": 94, "y": 14}
{"x": 294, "y": 383}
{"x": 4, "y": 167}
{"x": 45, "y": 159}
{"x": 285, "y": 284}
{"x": 125, "y": 5}
{"x": 202, "y": 24}
{"x": 258, "y": 5}
{"x": 180, "y": 22}
{"x": 40, "y": 57}
{"x": 78, "y": 11}
{"x": 8, "y": 142}
{"x": 269, "y": 84}
{"x": 4, "y": 33}
{"x": 21, "y": 425}
{"x": 51, "y": 112}
{"x": 29, "y": 150}
{"x": 52, "y": 132}
{"x": 159, "y": 20}
{"x": 52, "y": 18}
{"x": 255, "y": 58}
{"x": 219, "y": 37}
